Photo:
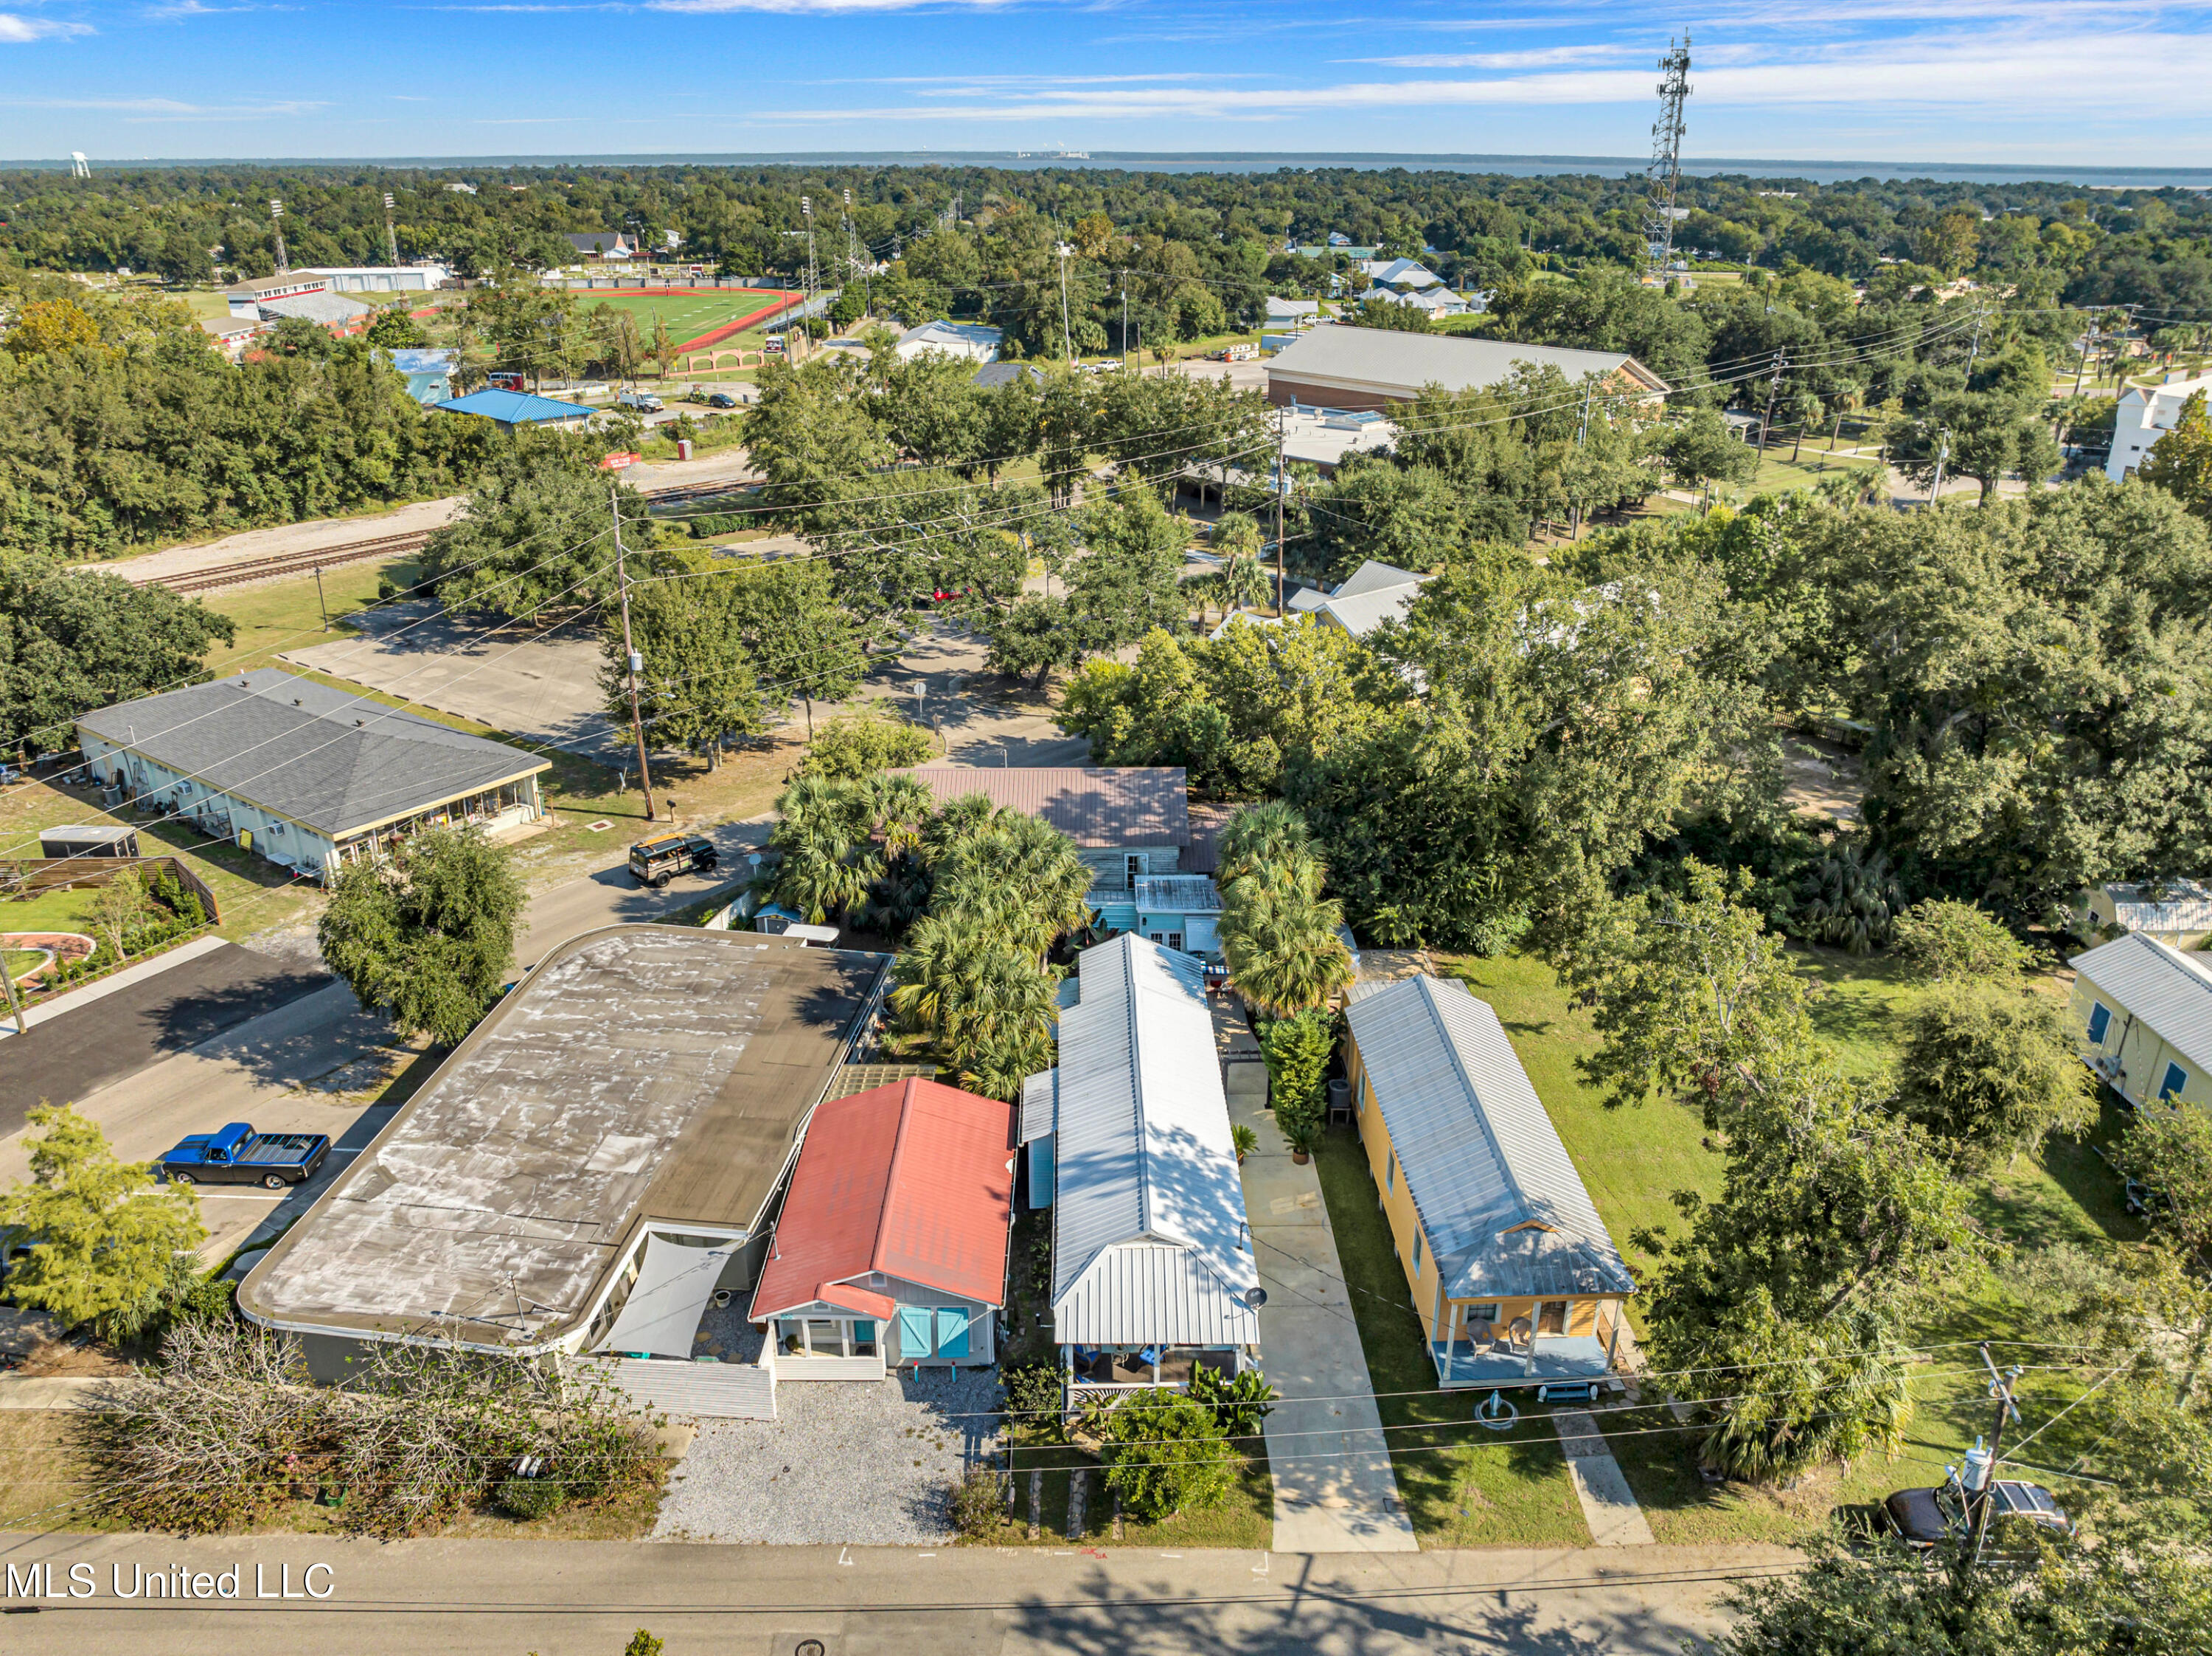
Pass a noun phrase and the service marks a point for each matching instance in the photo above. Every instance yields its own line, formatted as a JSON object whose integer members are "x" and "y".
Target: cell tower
{"x": 1665, "y": 173}
{"x": 78, "y": 168}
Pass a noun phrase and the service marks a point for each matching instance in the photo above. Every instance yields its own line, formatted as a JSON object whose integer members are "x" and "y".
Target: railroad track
{"x": 291, "y": 563}
{"x": 384, "y": 546}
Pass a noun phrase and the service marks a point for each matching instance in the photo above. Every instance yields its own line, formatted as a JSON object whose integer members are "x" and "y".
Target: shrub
{"x": 1034, "y": 1402}
{"x": 1242, "y": 1406}
{"x": 1942, "y": 940}
{"x": 853, "y": 746}
{"x": 979, "y": 1503}
{"x": 1166, "y": 1454}
{"x": 1297, "y": 1051}
{"x": 528, "y": 1498}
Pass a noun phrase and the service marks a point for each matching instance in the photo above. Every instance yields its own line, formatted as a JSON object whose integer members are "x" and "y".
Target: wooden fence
{"x": 27, "y": 877}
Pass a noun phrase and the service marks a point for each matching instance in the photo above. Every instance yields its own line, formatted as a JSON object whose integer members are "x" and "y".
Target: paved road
{"x": 68, "y": 1056}
{"x": 585, "y": 1598}
{"x": 308, "y": 1064}
{"x": 608, "y": 896}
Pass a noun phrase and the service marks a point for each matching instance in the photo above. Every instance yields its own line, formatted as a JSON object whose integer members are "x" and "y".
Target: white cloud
{"x": 1541, "y": 58}
{"x": 18, "y": 30}
{"x": 1975, "y": 73}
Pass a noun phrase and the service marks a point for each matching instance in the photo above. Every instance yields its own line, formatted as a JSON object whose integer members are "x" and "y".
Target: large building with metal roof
{"x": 508, "y": 409}
{"x": 2143, "y": 1019}
{"x": 593, "y": 1162}
{"x": 890, "y": 1249}
{"x": 1512, "y": 1271}
{"x": 302, "y": 773}
{"x": 1152, "y": 1268}
{"x": 1339, "y": 366}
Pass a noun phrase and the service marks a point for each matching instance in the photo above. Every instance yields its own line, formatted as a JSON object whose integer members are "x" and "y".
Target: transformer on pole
{"x": 1664, "y": 175}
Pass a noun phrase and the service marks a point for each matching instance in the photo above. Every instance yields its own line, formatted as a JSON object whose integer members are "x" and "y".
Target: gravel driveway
{"x": 867, "y": 1463}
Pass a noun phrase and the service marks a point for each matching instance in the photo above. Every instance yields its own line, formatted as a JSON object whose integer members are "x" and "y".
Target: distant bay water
{"x": 1765, "y": 169}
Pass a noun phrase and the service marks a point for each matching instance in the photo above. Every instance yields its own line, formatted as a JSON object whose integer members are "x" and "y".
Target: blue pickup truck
{"x": 240, "y": 1156}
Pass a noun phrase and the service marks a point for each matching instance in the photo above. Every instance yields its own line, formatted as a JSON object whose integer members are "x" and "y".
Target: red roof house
{"x": 891, "y": 1247}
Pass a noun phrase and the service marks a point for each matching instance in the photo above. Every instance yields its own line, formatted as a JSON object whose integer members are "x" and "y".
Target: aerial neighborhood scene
{"x": 1348, "y": 855}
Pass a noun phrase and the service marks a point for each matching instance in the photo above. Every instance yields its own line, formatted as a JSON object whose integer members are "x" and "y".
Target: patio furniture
{"x": 1520, "y": 1336}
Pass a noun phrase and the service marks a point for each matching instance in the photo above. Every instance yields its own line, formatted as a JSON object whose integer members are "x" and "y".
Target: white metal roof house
{"x": 1511, "y": 1270}
{"x": 1391, "y": 272}
{"x": 2175, "y": 912}
{"x": 2145, "y": 413}
{"x": 969, "y": 339}
{"x": 1152, "y": 1268}
{"x": 2141, "y": 1014}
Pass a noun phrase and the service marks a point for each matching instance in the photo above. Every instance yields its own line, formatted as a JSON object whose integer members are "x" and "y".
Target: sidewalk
{"x": 1335, "y": 1490}
{"x": 70, "y": 999}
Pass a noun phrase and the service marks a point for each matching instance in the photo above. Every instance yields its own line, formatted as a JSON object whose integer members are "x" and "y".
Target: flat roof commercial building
{"x": 622, "y": 1121}
{"x": 302, "y": 773}
{"x": 1337, "y": 366}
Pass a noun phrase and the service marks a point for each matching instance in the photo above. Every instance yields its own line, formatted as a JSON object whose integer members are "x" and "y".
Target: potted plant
{"x": 1302, "y": 1131}
{"x": 1245, "y": 1140}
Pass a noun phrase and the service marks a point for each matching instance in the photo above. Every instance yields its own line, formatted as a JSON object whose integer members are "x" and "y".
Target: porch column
{"x": 1612, "y": 1343}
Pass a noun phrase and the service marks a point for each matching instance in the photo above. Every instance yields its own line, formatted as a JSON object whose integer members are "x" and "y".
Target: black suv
{"x": 656, "y": 862}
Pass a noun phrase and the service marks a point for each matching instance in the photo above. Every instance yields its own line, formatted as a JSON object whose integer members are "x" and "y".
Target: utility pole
{"x": 1663, "y": 176}
{"x": 277, "y": 219}
{"x": 1067, "y": 338}
{"x": 1582, "y": 432}
{"x": 1943, "y": 454}
{"x": 14, "y": 1006}
{"x": 636, "y": 662}
{"x": 321, "y": 603}
{"x": 391, "y": 235}
{"x": 1282, "y": 488}
{"x": 852, "y": 253}
{"x": 1985, "y": 1474}
{"x": 1773, "y": 390}
{"x": 1125, "y": 318}
{"x": 1974, "y": 349}
{"x": 806, "y": 207}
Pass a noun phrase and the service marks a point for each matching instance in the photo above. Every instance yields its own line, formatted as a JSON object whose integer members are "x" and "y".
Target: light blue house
{"x": 429, "y": 373}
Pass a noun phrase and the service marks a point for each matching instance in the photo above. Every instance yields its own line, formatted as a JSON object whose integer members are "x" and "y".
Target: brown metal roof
{"x": 1137, "y": 805}
{"x": 640, "y": 1073}
{"x": 1206, "y": 822}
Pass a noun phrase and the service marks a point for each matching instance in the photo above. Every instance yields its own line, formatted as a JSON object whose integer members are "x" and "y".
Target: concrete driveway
{"x": 608, "y": 896}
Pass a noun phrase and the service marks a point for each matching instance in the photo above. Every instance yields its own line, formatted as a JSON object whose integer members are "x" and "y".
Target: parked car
{"x": 1925, "y": 1518}
{"x": 721, "y": 399}
{"x": 773, "y": 344}
{"x": 656, "y": 862}
{"x": 639, "y": 402}
{"x": 240, "y": 1156}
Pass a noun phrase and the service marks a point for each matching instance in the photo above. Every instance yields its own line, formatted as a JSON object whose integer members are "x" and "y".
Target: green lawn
{"x": 1633, "y": 1158}
{"x": 1463, "y": 1486}
{"x": 1245, "y": 1519}
{"x": 50, "y": 911}
{"x": 288, "y": 615}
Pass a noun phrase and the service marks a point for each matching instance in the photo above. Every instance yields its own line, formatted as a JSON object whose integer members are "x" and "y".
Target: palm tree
{"x": 1852, "y": 897}
{"x": 1279, "y": 938}
{"x": 1245, "y": 583}
{"x": 1025, "y": 874}
{"x": 1260, "y": 836}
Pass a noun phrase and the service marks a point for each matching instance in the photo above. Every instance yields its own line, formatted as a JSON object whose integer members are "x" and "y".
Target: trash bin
{"x": 683, "y": 448}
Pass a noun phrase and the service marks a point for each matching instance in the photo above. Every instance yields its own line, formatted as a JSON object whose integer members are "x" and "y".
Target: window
{"x": 824, "y": 1339}
{"x": 1390, "y": 1172}
{"x": 2177, "y": 1079}
{"x": 2101, "y": 1019}
{"x": 1481, "y": 1314}
{"x": 1135, "y": 865}
{"x": 1417, "y": 1254}
{"x": 1175, "y": 941}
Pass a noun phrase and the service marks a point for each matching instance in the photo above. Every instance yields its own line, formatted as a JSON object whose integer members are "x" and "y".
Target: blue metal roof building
{"x": 510, "y": 409}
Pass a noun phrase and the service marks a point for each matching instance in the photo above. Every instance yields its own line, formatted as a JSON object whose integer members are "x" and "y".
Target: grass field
{"x": 688, "y": 315}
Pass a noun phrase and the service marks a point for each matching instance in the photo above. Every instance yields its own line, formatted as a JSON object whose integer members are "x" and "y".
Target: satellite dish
{"x": 1256, "y": 1297}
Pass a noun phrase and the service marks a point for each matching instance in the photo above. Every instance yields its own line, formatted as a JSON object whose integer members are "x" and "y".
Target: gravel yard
{"x": 868, "y": 1463}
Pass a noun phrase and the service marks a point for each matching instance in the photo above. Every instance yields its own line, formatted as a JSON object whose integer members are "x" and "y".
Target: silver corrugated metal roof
{"x": 2173, "y": 906}
{"x": 1177, "y": 894}
{"x": 1479, "y": 1155}
{"x": 1404, "y": 363}
{"x": 1039, "y": 1097}
{"x": 2162, "y": 986}
{"x": 1148, "y": 1213}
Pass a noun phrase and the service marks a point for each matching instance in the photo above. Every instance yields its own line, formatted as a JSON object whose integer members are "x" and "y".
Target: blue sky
{"x": 2090, "y": 81}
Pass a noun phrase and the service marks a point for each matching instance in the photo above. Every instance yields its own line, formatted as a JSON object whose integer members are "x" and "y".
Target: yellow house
{"x": 2143, "y": 1019}
{"x": 2178, "y": 913}
{"x": 1512, "y": 1273}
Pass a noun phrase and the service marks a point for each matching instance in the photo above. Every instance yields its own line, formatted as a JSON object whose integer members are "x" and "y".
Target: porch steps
{"x": 703, "y": 1391}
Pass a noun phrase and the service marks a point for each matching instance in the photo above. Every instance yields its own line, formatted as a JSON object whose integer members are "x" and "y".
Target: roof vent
{"x": 295, "y": 701}
{"x": 358, "y": 723}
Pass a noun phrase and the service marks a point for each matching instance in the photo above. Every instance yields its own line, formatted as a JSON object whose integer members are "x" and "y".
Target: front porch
{"x": 1498, "y": 1362}
{"x": 1105, "y": 1375}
